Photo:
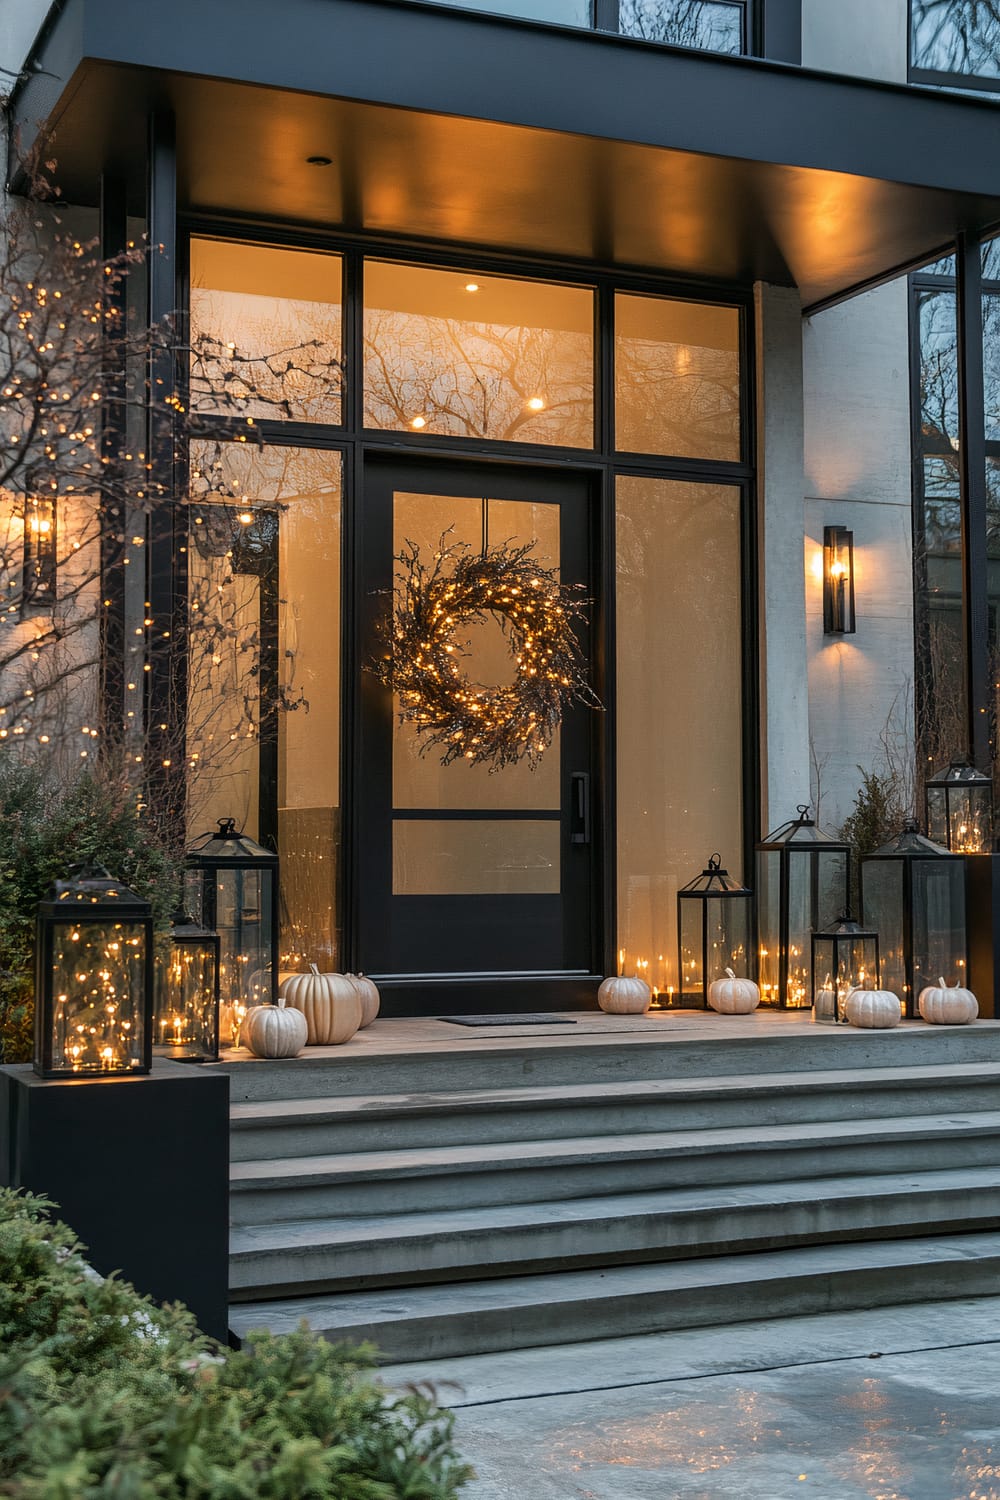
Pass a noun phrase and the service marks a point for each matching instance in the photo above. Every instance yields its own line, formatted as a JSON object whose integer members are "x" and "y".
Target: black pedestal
{"x": 140, "y": 1170}
{"x": 982, "y": 919}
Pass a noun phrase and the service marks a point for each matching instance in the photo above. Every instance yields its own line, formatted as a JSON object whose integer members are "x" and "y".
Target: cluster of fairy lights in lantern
{"x": 92, "y": 1029}
{"x": 494, "y": 726}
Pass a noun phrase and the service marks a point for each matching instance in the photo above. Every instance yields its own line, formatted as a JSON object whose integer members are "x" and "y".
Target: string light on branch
{"x": 465, "y": 720}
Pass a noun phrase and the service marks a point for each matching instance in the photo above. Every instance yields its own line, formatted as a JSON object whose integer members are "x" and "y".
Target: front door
{"x": 474, "y": 881}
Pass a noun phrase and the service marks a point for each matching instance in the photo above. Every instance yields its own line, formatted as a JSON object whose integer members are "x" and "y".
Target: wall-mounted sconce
{"x": 838, "y": 581}
{"x": 38, "y": 584}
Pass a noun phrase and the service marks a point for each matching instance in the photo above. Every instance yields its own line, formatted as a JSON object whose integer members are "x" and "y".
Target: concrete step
{"x": 434, "y": 1322}
{"x": 596, "y": 1051}
{"x": 442, "y": 1177}
{"x": 268, "y": 1129}
{"x": 326, "y": 1254}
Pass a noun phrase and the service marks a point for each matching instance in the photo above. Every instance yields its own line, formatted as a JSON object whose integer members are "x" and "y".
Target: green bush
{"x": 46, "y": 826}
{"x": 102, "y": 1393}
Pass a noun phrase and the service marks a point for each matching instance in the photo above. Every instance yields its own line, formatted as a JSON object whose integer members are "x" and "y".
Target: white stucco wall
{"x": 19, "y": 24}
{"x": 784, "y": 661}
{"x": 866, "y": 38}
{"x": 857, "y": 474}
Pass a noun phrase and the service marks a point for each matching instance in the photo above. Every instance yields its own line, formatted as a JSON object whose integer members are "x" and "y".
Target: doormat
{"x": 526, "y": 1020}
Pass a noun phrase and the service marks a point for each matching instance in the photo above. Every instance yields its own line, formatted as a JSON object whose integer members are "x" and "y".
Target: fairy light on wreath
{"x": 493, "y": 726}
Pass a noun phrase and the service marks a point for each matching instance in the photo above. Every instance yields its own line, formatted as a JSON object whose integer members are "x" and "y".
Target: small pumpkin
{"x": 622, "y": 995}
{"x": 330, "y": 1003}
{"x": 947, "y": 1005}
{"x": 874, "y": 1009}
{"x": 275, "y": 1030}
{"x": 732, "y": 996}
{"x": 370, "y": 998}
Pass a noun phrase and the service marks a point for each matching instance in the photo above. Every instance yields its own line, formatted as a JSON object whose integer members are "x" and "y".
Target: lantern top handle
{"x": 714, "y": 862}
{"x": 803, "y": 812}
{"x": 227, "y": 828}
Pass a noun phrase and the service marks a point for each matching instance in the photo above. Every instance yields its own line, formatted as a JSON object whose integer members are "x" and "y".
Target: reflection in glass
{"x": 938, "y": 365}
{"x": 956, "y": 36}
{"x": 677, "y": 378}
{"x": 478, "y": 356}
{"x": 679, "y": 747}
{"x": 266, "y": 330}
{"x": 264, "y": 590}
{"x": 475, "y": 857}
{"x": 557, "y": 12}
{"x": 707, "y": 24}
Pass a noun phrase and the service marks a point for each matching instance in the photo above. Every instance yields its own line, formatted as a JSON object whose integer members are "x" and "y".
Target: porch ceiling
{"x": 461, "y": 127}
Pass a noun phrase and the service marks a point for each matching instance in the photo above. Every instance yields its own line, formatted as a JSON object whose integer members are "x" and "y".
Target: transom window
{"x": 710, "y": 25}
{"x": 955, "y": 42}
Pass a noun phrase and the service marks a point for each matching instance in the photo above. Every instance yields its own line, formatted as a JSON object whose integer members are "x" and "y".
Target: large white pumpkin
{"x": 370, "y": 998}
{"x": 732, "y": 996}
{"x": 947, "y": 1005}
{"x": 875, "y": 1009}
{"x": 330, "y": 1003}
{"x": 275, "y": 1030}
{"x": 623, "y": 996}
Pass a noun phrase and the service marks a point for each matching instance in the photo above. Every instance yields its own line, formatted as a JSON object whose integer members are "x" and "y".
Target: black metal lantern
{"x": 838, "y": 581}
{"x": 713, "y": 932}
{"x": 913, "y": 892}
{"x": 93, "y": 978}
{"x": 231, "y": 887}
{"x": 803, "y": 882}
{"x": 186, "y": 1011}
{"x": 844, "y": 958}
{"x": 960, "y": 809}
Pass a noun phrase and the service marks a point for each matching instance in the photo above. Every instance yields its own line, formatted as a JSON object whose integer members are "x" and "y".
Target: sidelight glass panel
{"x": 475, "y": 858}
{"x": 421, "y": 780}
{"x": 956, "y": 36}
{"x": 478, "y": 356}
{"x": 714, "y": 27}
{"x": 679, "y": 637}
{"x": 264, "y": 673}
{"x": 266, "y": 331}
{"x": 677, "y": 378}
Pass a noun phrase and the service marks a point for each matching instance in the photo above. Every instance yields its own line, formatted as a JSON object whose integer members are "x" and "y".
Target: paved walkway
{"x": 895, "y": 1404}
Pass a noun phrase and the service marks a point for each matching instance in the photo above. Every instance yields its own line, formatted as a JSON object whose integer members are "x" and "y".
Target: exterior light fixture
{"x": 536, "y": 403}
{"x": 803, "y": 881}
{"x": 844, "y": 958}
{"x": 38, "y": 578}
{"x": 472, "y": 286}
{"x": 93, "y": 979}
{"x": 186, "y": 1010}
{"x": 418, "y": 422}
{"x": 913, "y": 891}
{"x": 838, "y": 581}
{"x": 960, "y": 809}
{"x": 231, "y": 887}
{"x": 319, "y": 161}
{"x": 713, "y": 927}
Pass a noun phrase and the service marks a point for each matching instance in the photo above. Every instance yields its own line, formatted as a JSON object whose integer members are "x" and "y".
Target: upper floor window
{"x": 711, "y": 25}
{"x": 956, "y": 42}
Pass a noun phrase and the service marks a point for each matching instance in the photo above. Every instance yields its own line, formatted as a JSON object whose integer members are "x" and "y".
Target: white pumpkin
{"x": 875, "y": 1009}
{"x": 370, "y": 998}
{"x": 330, "y": 1003}
{"x": 621, "y": 995}
{"x": 275, "y": 1030}
{"x": 732, "y": 996}
{"x": 947, "y": 1005}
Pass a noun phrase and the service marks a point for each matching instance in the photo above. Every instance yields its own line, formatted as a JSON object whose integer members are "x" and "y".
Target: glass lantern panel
{"x": 831, "y": 886}
{"x": 882, "y": 908}
{"x": 939, "y": 944}
{"x": 692, "y": 935}
{"x": 243, "y": 922}
{"x": 798, "y": 992}
{"x": 185, "y": 1012}
{"x": 769, "y": 921}
{"x": 98, "y": 979}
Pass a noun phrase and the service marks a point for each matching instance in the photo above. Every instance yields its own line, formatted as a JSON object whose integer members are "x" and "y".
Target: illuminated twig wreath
{"x": 493, "y": 726}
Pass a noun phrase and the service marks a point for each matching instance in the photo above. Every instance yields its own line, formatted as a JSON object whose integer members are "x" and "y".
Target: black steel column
{"x": 114, "y": 520}
{"x": 166, "y": 571}
{"x": 972, "y": 491}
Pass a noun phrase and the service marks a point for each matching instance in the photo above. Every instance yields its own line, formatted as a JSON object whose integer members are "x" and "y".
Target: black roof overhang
{"x": 480, "y": 130}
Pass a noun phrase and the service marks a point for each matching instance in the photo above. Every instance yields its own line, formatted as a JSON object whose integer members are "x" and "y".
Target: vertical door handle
{"x": 579, "y": 785}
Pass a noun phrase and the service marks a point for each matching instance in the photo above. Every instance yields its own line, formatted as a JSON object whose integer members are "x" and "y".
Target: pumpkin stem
{"x": 942, "y": 983}
{"x": 314, "y": 968}
{"x": 730, "y": 974}
{"x": 281, "y": 1002}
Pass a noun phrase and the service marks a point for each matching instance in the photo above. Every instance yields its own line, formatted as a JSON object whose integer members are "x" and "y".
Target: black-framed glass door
{"x": 466, "y": 874}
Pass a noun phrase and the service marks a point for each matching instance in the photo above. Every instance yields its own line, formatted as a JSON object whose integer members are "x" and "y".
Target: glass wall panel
{"x": 266, "y": 331}
{"x": 478, "y": 356}
{"x": 677, "y": 378}
{"x": 941, "y": 727}
{"x": 265, "y": 668}
{"x": 558, "y": 12}
{"x": 938, "y": 366}
{"x": 443, "y": 858}
{"x": 956, "y": 36}
{"x": 712, "y": 26}
{"x": 679, "y": 745}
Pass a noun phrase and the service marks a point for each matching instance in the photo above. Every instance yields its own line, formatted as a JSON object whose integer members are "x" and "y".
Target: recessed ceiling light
{"x": 472, "y": 286}
{"x": 246, "y": 518}
{"x": 419, "y": 422}
{"x": 536, "y": 404}
{"x": 319, "y": 161}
